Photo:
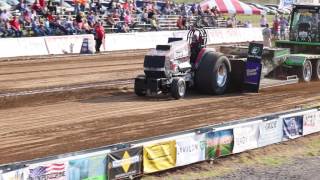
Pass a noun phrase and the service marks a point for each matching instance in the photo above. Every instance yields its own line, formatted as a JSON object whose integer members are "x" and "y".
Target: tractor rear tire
{"x": 305, "y": 72}
{"x": 213, "y": 73}
{"x": 316, "y": 70}
{"x": 138, "y": 89}
{"x": 178, "y": 88}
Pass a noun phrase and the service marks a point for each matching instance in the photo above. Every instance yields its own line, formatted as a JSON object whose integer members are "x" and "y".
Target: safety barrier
{"x": 169, "y": 151}
{"x": 53, "y": 45}
{"x": 148, "y": 40}
{"x": 41, "y": 46}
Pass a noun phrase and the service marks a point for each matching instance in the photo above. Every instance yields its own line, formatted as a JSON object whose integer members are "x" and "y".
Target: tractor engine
{"x": 168, "y": 61}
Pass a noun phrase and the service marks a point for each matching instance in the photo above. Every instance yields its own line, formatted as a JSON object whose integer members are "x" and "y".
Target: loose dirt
{"x": 112, "y": 114}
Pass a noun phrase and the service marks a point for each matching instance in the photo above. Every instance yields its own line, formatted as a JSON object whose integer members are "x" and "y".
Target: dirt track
{"x": 33, "y": 131}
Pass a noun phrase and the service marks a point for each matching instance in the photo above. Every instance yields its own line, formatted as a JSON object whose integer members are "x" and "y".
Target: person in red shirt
{"x": 37, "y": 7}
{"x": 99, "y": 35}
{"x": 42, "y": 3}
{"x": 276, "y": 27}
{"x": 15, "y": 26}
{"x": 180, "y": 23}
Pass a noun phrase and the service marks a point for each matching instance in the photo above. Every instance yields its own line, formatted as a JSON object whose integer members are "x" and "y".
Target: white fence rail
{"x": 54, "y": 45}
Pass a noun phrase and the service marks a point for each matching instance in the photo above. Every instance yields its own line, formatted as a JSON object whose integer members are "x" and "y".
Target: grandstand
{"x": 40, "y": 18}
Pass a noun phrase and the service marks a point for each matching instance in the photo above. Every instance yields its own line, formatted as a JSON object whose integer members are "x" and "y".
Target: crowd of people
{"x": 276, "y": 31}
{"x": 43, "y": 18}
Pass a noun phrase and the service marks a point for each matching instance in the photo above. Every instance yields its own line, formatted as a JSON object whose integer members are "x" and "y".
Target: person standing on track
{"x": 99, "y": 36}
{"x": 266, "y": 33}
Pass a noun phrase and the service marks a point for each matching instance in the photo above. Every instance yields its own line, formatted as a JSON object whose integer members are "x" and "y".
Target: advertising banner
{"x": 68, "y": 44}
{"x": 20, "y": 174}
{"x": 292, "y": 127}
{"x": 52, "y": 171}
{"x": 219, "y": 143}
{"x": 270, "y": 132}
{"x": 253, "y": 67}
{"x": 311, "y": 123}
{"x": 125, "y": 163}
{"x": 190, "y": 149}
{"x": 246, "y": 137}
{"x": 159, "y": 156}
{"x": 90, "y": 168}
{"x": 85, "y": 48}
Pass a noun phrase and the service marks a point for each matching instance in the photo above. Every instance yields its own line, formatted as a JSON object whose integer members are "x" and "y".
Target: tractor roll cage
{"x": 202, "y": 39}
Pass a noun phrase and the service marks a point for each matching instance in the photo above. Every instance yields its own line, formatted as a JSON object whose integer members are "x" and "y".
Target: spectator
{"x": 91, "y": 18}
{"x": 132, "y": 6}
{"x": 214, "y": 11}
{"x": 21, "y": 6}
{"x": 115, "y": 15}
{"x": 38, "y": 28}
{"x": 199, "y": 11}
{"x": 83, "y": 4}
{"x": 77, "y": 27}
{"x": 96, "y": 6}
{"x": 15, "y": 26}
{"x": 275, "y": 27}
{"x": 79, "y": 19}
{"x": 76, "y": 6}
{"x": 47, "y": 27}
{"x": 51, "y": 7}
{"x": 5, "y": 15}
{"x": 165, "y": 10}
{"x": 151, "y": 13}
{"x": 234, "y": 20}
{"x": 99, "y": 36}
{"x": 144, "y": 16}
{"x": 181, "y": 23}
{"x": 263, "y": 21}
{"x": 183, "y": 10}
{"x": 128, "y": 19}
{"x": 86, "y": 27}
{"x": 33, "y": 14}
{"x": 154, "y": 24}
{"x": 110, "y": 22}
{"x": 125, "y": 5}
{"x": 266, "y": 33}
{"x": 3, "y": 29}
{"x": 26, "y": 18}
{"x": 42, "y": 4}
{"x": 193, "y": 9}
{"x": 247, "y": 24}
{"x": 283, "y": 25}
{"x": 229, "y": 23}
{"x": 36, "y": 7}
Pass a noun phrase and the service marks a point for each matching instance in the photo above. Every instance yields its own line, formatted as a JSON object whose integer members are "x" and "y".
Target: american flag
{"x": 43, "y": 170}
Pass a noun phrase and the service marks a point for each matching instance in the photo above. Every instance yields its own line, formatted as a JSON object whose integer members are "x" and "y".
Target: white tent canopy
{"x": 230, "y": 7}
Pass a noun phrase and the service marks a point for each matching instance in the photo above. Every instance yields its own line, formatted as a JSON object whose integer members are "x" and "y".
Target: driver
{"x": 195, "y": 47}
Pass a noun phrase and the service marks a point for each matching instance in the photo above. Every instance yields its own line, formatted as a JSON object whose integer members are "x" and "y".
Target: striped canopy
{"x": 230, "y": 7}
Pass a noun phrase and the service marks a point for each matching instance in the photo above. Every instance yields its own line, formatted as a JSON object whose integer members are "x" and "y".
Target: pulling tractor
{"x": 181, "y": 64}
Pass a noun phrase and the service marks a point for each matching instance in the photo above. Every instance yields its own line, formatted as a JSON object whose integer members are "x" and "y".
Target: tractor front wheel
{"x": 305, "y": 72}
{"x": 138, "y": 86}
{"x": 178, "y": 88}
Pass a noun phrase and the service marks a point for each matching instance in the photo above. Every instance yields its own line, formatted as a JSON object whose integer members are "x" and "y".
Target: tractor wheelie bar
{"x": 179, "y": 65}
